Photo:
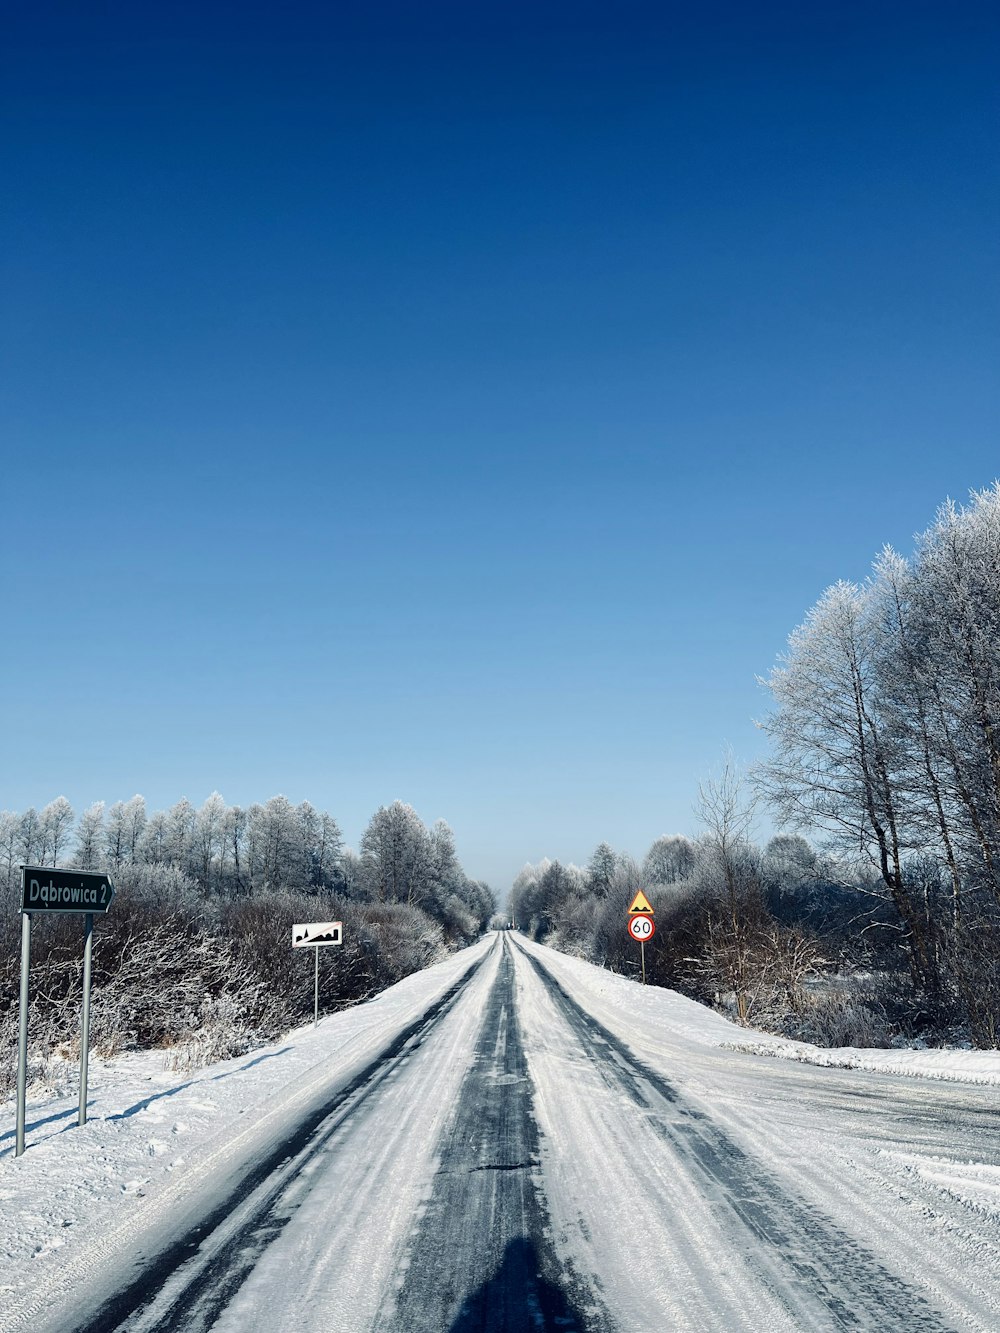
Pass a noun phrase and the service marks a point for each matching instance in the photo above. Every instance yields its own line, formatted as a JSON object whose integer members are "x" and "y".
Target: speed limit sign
{"x": 641, "y": 928}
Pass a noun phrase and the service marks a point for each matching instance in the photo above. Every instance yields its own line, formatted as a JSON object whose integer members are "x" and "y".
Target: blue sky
{"x": 462, "y": 403}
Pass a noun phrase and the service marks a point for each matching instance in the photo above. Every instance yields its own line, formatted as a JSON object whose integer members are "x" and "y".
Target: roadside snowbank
{"x": 651, "y": 1017}
{"x": 952, "y": 1065}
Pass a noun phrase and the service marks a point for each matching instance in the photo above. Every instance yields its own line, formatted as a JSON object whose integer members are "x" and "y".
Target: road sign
{"x": 640, "y": 903}
{"x": 311, "y": 934}
{"x": 45, "y": 889}
{"x": 641, "y": 927}
{"x": 55, "y": 889}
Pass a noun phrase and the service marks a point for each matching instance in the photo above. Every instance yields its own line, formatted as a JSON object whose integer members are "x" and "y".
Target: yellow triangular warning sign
{"x": 640, "y": 903}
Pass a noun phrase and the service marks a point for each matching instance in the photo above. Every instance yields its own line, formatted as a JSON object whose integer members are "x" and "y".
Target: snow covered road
{"x": 514, "y": 1140}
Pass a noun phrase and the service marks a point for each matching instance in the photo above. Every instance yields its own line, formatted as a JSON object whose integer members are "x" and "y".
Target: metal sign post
{"x": 312, "y": 935}
{"x": 22, "y": 1039}
{"x": 50, "y": 889}
{"x": 88, "y": 949}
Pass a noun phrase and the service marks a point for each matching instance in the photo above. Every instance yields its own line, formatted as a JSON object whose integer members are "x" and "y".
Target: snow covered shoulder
{"x": 662, "y": 1018}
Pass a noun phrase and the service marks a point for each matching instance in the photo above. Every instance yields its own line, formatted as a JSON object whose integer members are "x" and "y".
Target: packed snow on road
{"x": 512, "y": 1139}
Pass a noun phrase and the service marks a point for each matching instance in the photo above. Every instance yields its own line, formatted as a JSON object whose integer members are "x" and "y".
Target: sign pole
{"x": 88, "y": 948}
{"x": 642, "y": 951}
{"x": 22, "y": 1042}
{"x": 316, "y": 992}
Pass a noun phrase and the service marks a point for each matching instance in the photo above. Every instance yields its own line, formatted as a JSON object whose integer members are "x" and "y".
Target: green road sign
{"x": 44, "y": 889}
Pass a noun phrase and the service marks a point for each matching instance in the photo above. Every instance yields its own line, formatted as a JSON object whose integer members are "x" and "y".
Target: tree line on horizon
{"x": 885, "y": 740}
{"x": 194, "y": 954}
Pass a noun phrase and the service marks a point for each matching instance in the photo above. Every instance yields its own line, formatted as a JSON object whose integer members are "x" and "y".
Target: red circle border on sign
{"x": 642, "y": 916}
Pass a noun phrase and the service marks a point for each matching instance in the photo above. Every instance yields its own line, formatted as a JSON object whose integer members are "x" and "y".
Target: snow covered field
{"x": 528, "y": 1125}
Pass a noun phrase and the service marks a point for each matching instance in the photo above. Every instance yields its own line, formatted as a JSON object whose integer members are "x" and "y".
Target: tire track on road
{"x": 481, "y": 1260}
{"x": 802, "y": 1255}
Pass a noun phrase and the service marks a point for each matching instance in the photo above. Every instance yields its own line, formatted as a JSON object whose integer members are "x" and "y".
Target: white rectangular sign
{"x": 314, "y": 933}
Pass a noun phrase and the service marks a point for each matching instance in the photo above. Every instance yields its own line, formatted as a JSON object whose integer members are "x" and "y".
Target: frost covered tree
{"x": 133, "y": 826}
{"x": 601, "y": 870}
{"x": 541, "y": 895}
{"x": 446, "y": 889}
{"x": 10, "y": 835}
{"x": 397, "y": 855}
{"x": 520, "y": 900}
{"x": 115, "y": 834}
{"x": 320, "y": 845}
{"x": 180, "y": 829}
{"x": 837, "y": 755}
{"x": 669, "y": 859}
{"x": 56, "y": 821}
{"x": 234, "y": 828}
{"x": 886, "y": 736}
{"x": 125, "y": 822}
{"x": 482, "y": 903}
{"x": 154, "y": 842}
{"x": 351, "y": 873}
{"x": 307, "y": 819}
{"x": 326, "y": 851}
{"x": 275, "y": 855}
{"x": 89, "y": 850}
{"x": 736, "y": 913}
{"x": 30, "y": 844}
{"x": 444, "y": 857}
{"x": 952, "y": 615}
{"x": 209, "y": 838}
{"x": 788, "y": 865}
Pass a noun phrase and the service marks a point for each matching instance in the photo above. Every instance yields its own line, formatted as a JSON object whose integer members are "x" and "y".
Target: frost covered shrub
{"x": 54, "y": 998}
{"x": 396, "y": 940}
{"x": 972, "y": 954}
{"x": 260, "y": 928}
{"x": 221, "y": 1033}
{"x": 204, "y": 978}
{"x": 162, "y": 889}
{"x": 846, "y": 1017}
{"x": 456, "y": 920}
{"x": 382, "y": 943}
{"x": 155, "y": 991}
{"x": 50, "y": 1031}
{"x": 195, "y": 955}
{"x": 574, "y": 926}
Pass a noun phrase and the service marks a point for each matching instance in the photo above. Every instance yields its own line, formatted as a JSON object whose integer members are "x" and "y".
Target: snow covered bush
{"x": 221, "y": 1032}
{"x": 195, "y": 955}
